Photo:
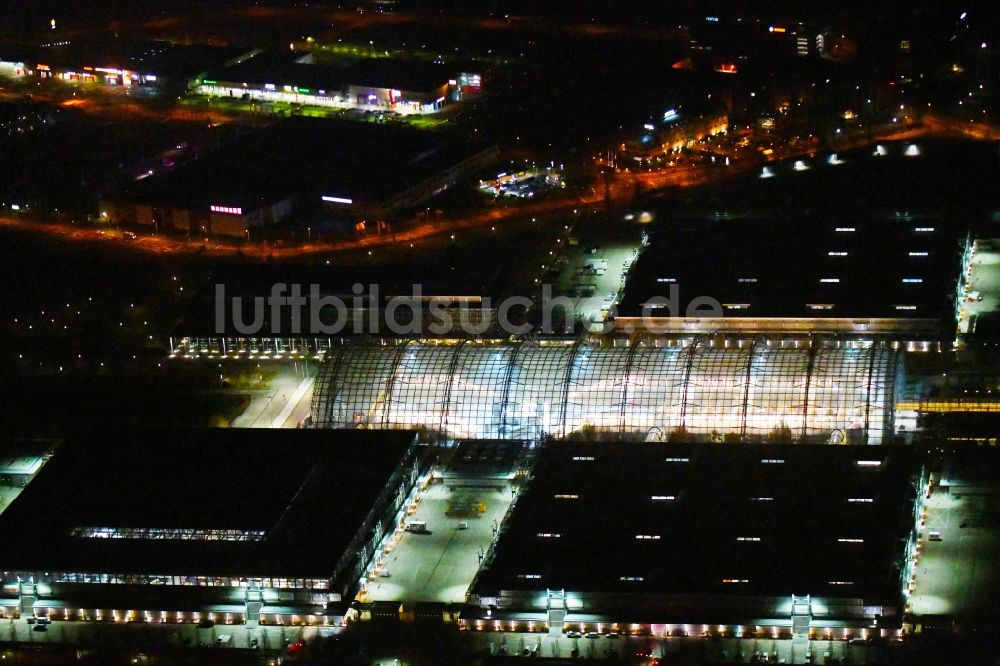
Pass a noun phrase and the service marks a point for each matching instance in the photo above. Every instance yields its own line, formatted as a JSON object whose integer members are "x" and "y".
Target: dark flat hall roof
{"x": 683, "y": 519}
{"x": 308, "y": 491}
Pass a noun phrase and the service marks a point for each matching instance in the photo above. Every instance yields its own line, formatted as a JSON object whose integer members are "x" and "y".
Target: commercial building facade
{"x": 110, "y": 62}
{"x": 677, "y": 129}
{"x": 404, "y": 87}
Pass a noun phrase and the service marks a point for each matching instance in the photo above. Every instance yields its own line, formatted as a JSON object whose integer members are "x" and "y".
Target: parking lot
{"x": 957, "y": 575}
{"x": 283, "y": 401}
{"x": 593, "y": 276}
{"x": 982, "y": 291}
{"x": 439, "y": 564}
{"x": 7, "y": 495}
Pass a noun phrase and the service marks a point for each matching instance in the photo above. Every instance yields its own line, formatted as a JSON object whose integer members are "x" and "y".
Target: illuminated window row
{"x": 167, "y": 534}
{"x": 190, "y": 581}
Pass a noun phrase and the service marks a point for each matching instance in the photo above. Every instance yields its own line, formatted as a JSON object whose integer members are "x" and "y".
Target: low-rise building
{"x": 111, "y": 63}
{"x": 364, "y": 173}
{"x": 678, "y": 128}
{"x": 402, "y": 86}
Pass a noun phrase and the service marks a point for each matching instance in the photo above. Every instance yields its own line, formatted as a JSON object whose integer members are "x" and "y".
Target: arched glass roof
{"x": 820, "y": 390}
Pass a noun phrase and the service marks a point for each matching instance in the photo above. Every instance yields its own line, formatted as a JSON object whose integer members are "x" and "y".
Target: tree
{"x": 782, "y": 434}
{"x": 679, "y": 434}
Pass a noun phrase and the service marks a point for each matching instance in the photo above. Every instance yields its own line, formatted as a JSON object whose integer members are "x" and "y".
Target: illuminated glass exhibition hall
{"x": 822, "y": 390}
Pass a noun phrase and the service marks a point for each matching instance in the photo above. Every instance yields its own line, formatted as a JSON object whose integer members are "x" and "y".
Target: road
{"x": 284, "y": 403}
{"x": 111, "y": 103}
{"x": 616, "y": 194}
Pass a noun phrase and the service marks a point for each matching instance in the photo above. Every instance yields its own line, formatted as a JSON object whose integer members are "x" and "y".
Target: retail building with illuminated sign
{"x": 371, "y": 84}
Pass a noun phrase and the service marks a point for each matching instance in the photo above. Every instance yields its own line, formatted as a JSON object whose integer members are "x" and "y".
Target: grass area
{"x": 249, "y": 375}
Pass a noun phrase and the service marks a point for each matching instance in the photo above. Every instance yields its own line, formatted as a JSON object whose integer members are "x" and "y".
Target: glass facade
{"x": 167, "y": 534}
{"x": 732, "y": 390}
{"x": 190, "y": 581}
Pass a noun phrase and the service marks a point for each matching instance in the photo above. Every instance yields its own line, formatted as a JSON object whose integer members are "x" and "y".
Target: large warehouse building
{"x": 702, "y": 387}
{"x": 330, "y": 170}
{"x": 235, "y": 525}
{"x": 690, "y": 539}
{"x": 893, "y": 276}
